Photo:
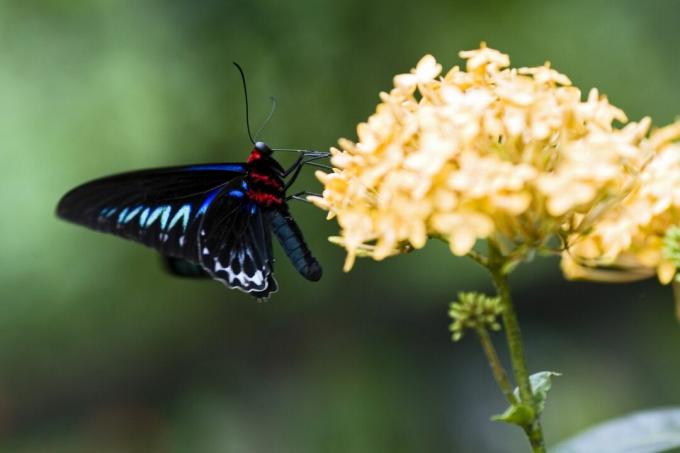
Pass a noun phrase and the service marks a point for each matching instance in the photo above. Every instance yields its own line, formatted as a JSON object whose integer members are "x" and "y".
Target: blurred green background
{"x": 102, "y": 351}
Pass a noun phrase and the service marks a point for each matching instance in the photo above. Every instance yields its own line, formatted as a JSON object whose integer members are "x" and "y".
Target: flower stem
{"x": 496, "y": 365}
{"x": 513, "y": 334}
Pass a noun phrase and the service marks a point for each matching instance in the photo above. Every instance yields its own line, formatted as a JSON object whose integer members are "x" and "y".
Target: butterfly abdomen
{"x": 290, "y": 237}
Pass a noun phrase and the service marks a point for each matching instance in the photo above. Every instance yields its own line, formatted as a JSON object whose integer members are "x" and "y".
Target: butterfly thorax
{"x": 266, "y": 188}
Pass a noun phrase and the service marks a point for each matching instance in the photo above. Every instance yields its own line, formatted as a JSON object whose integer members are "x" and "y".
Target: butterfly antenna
{"x": 269, "y": 117}
{"x": 245, "y": 93}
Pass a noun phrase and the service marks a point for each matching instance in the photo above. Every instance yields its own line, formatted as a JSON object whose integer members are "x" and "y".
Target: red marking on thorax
{"x": 254, "y": 155}
{"x": 265, "y": 199}
{"x": 265, "y": 179}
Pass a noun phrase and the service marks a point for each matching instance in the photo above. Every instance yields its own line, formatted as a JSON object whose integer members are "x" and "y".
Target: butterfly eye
{"x": 263, "y": 148}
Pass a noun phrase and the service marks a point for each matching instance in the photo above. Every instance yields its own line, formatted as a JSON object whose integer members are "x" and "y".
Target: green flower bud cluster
{"x": 475, "y": 311}
{"x": 671, "y": 247}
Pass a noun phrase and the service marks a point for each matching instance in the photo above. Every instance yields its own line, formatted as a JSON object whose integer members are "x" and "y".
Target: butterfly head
{"x": 260, "y": 151}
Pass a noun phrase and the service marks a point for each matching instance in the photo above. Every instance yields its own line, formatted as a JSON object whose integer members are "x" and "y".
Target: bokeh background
{"x": 101, "y": 351}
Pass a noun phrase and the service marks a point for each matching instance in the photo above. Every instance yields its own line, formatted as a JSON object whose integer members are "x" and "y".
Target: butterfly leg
{"x": 294, "y": 168}
{"x": 305, "y": 152}
{"x": 305, "y": 157}
{"x": 297, "y": 167}
{"x": 316, "y": 164}
{"x": 317, "y": 154}
{"x": 302, "y": 196}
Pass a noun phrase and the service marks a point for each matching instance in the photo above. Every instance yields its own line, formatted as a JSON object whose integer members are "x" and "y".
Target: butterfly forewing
{"x": 162, "y": 208}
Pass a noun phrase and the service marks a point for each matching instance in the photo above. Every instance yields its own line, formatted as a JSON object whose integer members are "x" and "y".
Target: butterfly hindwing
{"x": 183, "y": 268}
{"x": 161, "y": 208}
{"x": 236, "y": 244}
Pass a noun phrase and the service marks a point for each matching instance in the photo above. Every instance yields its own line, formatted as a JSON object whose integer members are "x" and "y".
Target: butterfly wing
{"x": 199, "y": 214}
{"x": 162, "y": 208}
{"x": 236, "y": 245}
{"x": 183, "y": 268}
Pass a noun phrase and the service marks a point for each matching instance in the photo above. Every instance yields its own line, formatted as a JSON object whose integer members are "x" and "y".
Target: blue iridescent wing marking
{"x": 162, "y": 208}
{"x": 234, "y": 168}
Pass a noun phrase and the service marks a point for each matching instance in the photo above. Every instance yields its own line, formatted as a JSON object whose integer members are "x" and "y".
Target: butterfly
{"x": 213, "y": 220}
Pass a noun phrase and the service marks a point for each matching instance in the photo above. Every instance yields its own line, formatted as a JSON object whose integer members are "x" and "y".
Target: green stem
{"x": 514, "y": 337}
{"x": 479, "y": 258}
{"x": 496, "y": 366}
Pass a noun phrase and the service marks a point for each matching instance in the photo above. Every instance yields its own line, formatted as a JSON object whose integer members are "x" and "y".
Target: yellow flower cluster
{"x": 489, "y": 151}
{"x": 629, "y": 237}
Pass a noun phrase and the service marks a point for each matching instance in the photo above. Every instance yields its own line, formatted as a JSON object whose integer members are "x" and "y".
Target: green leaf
{"x": 522, "y": 414}
{"x": 641, "y": 432}
{"x": 517, "y": 414}
{"x": 541, "y": 383}
{"x": 510, "y": 266}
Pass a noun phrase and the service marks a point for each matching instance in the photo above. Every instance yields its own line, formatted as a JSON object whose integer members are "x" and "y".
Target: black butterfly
{"x": 214, "y": 219}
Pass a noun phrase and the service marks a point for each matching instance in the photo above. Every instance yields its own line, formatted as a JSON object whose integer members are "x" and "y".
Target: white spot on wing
{"x": 248, "y": 283}
{"x": 254, "y": 282}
